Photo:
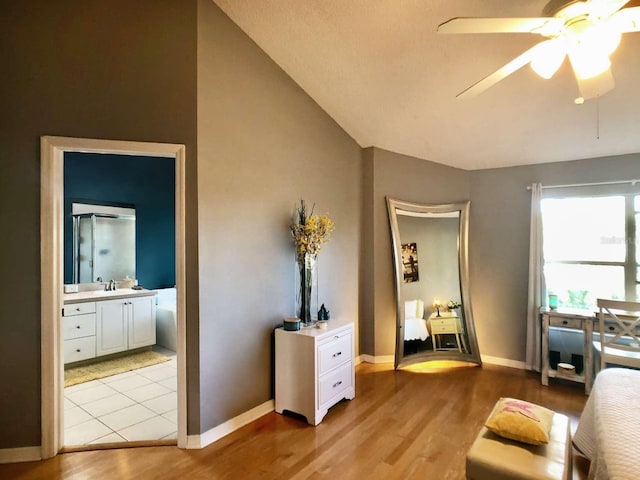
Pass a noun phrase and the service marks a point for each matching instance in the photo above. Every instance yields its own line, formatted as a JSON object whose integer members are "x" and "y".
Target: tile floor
{"x": 136, "y": 405}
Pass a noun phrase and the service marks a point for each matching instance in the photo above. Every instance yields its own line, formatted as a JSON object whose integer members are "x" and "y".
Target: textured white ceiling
{"x": 380, "y": 70}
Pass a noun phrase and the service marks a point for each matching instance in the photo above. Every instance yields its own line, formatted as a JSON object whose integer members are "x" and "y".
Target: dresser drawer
{"x": 335, "y": 352}
{"x": 334, "y": 383}
{"x": 78, "y": 326}
{"x": 79, "y": 349}
{"x": 565, "y": 322}
{"x": 444, "y": 325}
{"x": 78, "y": 308}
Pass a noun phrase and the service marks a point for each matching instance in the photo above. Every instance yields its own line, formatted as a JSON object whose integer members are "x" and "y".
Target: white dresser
{"x": 314, "y": 369}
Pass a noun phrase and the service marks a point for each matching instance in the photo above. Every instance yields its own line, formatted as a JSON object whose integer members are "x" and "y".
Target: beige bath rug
{"x": 95, "y": 371}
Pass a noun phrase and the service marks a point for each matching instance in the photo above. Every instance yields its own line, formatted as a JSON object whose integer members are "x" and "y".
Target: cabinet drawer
{"x": 449, "y": 325}
{"x": 565, "y": 322}
{"x": 334, "y": 383}
{"x": 78, "y": 326}
{"x": 79, "y": 349}
{"x": 79, "y": 308}
{"x": 612, "y": 327}
{"x": 334, "y": 352}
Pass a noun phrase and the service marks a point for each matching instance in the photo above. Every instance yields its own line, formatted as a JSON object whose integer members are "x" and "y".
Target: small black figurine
{"x": 323, "y": 313}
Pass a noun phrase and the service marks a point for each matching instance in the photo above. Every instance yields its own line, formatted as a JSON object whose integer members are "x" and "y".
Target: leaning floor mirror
{"x": 434, "y": 319}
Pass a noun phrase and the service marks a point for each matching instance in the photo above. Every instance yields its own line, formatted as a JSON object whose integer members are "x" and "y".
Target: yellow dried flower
{"x": 309, "y": 232}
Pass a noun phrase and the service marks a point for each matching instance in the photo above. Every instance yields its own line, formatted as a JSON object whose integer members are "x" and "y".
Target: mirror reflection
{"x": 433, "y": 305}
{"x": 104, "y": 242}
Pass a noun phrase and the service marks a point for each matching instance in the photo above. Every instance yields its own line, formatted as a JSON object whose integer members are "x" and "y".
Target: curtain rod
{"x": 617, "y": 182}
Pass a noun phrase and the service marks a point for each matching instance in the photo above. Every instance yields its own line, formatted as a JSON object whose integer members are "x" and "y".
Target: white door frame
{"x": 52, "y": 151}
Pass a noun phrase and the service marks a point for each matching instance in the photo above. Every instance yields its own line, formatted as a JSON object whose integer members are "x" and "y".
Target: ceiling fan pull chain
{"x": 598, "y": 117}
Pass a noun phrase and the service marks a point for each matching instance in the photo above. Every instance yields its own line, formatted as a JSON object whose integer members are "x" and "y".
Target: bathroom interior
{"x": 119, "y": 318}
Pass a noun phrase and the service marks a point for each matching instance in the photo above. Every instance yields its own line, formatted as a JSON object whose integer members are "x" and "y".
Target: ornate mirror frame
{"x": 398, "y": 207}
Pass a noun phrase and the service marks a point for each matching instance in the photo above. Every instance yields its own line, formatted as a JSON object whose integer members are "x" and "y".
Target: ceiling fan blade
{"x": 503, "y": 72}
{"x": 596, "y": 86}
{"x": 626, "y": 20}
{"x": 540, "y": 25}
{"x": 605, "y": 8}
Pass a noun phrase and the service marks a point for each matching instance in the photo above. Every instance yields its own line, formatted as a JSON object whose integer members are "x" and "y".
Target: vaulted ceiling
{"x": 380, "y": 70}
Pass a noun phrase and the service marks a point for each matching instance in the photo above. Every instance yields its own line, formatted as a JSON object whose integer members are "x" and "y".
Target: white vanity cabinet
{"x": 141, "y": 326}
{"x": 125, "y": 324}
{"x": 111, "y": 319}
{"x": 314, "y": 369}
{"x": 79, "y": 331}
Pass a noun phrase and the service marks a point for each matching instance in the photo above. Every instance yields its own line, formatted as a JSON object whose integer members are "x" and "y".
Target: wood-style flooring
{"x": 401, "y": 425}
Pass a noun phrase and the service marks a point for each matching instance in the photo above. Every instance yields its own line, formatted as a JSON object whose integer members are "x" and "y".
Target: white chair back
{"x": 619, "y": 328}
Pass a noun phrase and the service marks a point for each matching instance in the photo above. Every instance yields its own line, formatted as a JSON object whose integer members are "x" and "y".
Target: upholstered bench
{"x": 492, "y": 457}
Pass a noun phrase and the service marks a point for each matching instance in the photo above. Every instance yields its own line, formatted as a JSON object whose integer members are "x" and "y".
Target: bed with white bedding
{"x": 609, "y": 430}
{"x": 415, "y": 327}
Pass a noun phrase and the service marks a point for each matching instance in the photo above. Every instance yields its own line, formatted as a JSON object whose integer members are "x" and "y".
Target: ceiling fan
{"x": 586, "y": 31}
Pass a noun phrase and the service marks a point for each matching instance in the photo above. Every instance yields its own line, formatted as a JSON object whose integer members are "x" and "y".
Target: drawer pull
{"x": 336, "y": 337}
{"x": 565, "y": 322}
{"x": 78, "y": 350}
{"x": 337, "y": 384}
{"x": 78, "y": 327}
{"x": 612, "y": 328}
{"x": 336, "y": 354}
{"x": 78, "y": 309}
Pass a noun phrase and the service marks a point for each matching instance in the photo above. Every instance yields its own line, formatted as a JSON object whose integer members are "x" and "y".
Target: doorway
{"x": 53, "y": 150}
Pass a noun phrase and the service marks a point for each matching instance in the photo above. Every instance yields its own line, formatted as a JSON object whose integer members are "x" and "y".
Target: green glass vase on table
{"x": 309, "y": 231}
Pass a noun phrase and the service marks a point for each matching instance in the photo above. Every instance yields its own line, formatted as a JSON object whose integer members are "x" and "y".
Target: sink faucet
{"x": 110, "y": 287}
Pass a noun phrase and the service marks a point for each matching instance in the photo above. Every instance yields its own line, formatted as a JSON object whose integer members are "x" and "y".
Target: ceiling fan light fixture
{"x": 602, "y": 38}
{"x": 587, "y": 31}
{"x": 588, "y": 63}
{"x": 608, "y": 40}
{"x": 548, "y": 58}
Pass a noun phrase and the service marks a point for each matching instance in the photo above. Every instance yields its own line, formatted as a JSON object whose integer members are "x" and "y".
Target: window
{"x": 590, "y": 248}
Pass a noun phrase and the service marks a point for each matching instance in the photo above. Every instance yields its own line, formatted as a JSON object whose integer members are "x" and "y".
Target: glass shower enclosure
{"x": 104, "y": 245}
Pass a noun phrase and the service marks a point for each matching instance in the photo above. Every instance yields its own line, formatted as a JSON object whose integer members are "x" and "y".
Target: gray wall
{"x": 263, "y": 145}
{"x": 405, "y": 178}
{"x": 118, "y": 70}
{"x": 499, "y": 242}
{"x": 367, "y": 249}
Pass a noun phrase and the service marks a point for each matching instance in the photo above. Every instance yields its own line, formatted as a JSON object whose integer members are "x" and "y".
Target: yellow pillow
{"x": 521, "y": 421}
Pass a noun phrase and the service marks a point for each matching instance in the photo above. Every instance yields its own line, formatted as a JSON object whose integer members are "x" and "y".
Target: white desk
{"x": 569, "y": 319}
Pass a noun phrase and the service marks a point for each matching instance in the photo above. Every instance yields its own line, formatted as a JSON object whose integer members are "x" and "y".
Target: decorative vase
{"x": 307, "y": 270}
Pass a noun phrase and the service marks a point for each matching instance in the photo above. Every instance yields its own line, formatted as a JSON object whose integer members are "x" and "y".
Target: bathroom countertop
{"x": 99, "y": 295}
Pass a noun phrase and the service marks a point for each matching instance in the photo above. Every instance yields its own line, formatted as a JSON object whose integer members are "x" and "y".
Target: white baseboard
{"x": 24, "y": 454}
{"x": 216, "y": 433}
{"x": 375, "y": 359}
{"x": 505, "y": 362}
{"x": 31, "y": 454}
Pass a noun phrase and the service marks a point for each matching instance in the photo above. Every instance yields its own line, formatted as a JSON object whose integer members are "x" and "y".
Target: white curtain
{"x": 537, "y": 288}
